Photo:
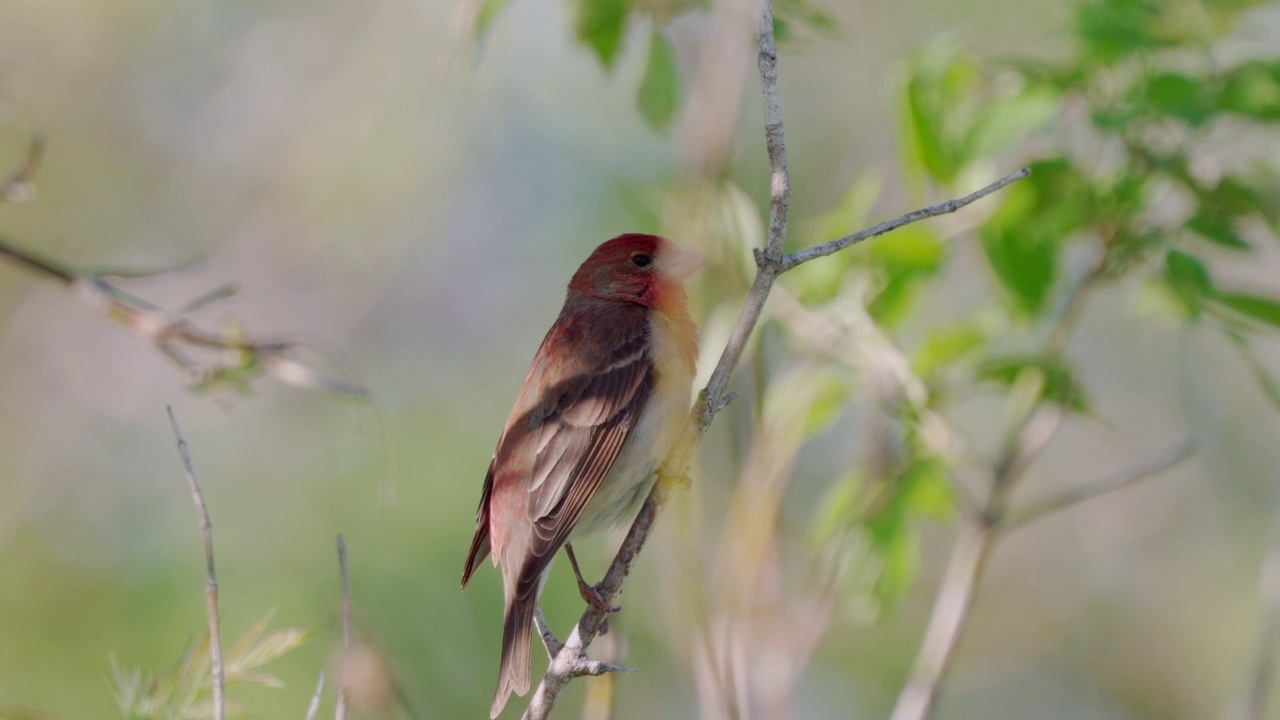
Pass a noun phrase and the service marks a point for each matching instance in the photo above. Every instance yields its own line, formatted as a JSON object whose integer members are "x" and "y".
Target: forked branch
{"x": 570, "y": 660}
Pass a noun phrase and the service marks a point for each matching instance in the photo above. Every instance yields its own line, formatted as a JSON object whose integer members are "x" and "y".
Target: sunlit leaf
{"x": 895, "y": 298}
{"x": 1185, "y": 98}
{"x": 1189, "y": 279}
{"x": 1025, "y": 263}
{"x": 897, "y": 544}
{"x": 1024, "y": 237}
{"x": 1253, "y": 90}
{"x": 1156, "y": 298}
{"x": 659, "y": 92}
{"x": 1006, "y": 120}
{"x": 488, "y": 12}
{"x": 947, "y": 345}
{"x": 938, "y": 109}
{"x": 1059, "y": 384}
{"x": 829, "y": 401}
{"x": 914, "y": 248}
{"x": 1110, "y": 30}
{"x": 790, "y": 14}
{"x": 1217, "y": 230}
{"x": 1259, "y": 308}
{"x": 927, "y": 489}
{"x": 601, "y": 25}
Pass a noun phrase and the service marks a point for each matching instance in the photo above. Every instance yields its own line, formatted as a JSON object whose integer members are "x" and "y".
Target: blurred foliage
{"x": 601, "y": 26}
{"x": 185, "y": 690}
{"x": 1125, "y": 186}
{"x": 1124, "y": 175}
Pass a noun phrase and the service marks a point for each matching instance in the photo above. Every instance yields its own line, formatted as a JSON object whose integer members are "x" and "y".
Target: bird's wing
{"x": 480, "y": 540}
{"x": 587, "y": 419}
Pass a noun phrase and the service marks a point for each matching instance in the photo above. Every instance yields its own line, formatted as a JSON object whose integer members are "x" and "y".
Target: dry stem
{"x": 211, "y": 577}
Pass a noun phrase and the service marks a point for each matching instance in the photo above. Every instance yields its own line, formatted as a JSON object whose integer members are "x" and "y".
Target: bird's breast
{"x": 673, "y": 349}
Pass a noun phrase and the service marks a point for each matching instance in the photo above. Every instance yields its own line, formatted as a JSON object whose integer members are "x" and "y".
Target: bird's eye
{"x": 642, "y": 260}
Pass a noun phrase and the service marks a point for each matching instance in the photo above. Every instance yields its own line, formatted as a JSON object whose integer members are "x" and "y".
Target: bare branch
{"x": 171, "y": 334}
{"x": 549, "y": 640}
{"x": 769, "y": 261}
{"x": 948, "y": 621}
{"x": 802, "y": 256}
{"x": 211, "y": 577}
{"x": 314, "y": 707}
{"x": 340, "y": 709}
{"x": 1125, "y": 478}
{"x": 243, "y": 357}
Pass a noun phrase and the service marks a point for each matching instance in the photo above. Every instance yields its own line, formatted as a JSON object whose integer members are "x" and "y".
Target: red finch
{"x": 604, "y": 401}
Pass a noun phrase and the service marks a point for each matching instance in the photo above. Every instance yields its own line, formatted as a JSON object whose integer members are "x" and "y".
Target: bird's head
{"x": 645, "y": 269}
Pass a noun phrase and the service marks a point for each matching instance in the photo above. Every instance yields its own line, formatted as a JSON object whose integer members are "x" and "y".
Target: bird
{"x": 606, "y": 398}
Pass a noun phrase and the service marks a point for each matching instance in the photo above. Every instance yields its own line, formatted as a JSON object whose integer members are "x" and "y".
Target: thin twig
{"x": 948, "y": 620}
{"x": 768, "y": 261}
{"x": 211, "y": 577}
{"x": 571, "y": 660}
{"x": 314, "y": 707}
{"x": 340, "y": 708}
{"x": 549, "y": 640}
{"x": 1031, "y": 426}
{"x": 1125, "y": 478}
{"x": 950, "y": 206}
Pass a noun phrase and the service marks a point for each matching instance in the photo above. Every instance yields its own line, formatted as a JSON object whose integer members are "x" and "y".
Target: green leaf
{"x": 829, "y": 401}
{"x": 1189, "y": 279}
{"x": 914, "y": 248}
{"x": 1110, "y": 30}
{"x": 601, "y": 26}
{"x": 800, "y": 13}
{"x": 946, "y": 346}
{"x": 781, "y": 30}
{"x": 489, "y": 11}
{"x": 1025, "y": 235}
{"x": 927, "y": 489}
{"x": 1259, "y": 308}
{"x": 1177, "y": 95}
{"x": 1059, "y": 384}
{"x": 1217, "y": 230}
{"x": 1006, "y": 120}
{"x": 1025, "y": 263}
{"x": 939, "y": 106}
{"x": 1253, "y": 90}
{"x": 897, "y": 544}
{"x": 893, "y": 302}
{"x": 659, "y": 92}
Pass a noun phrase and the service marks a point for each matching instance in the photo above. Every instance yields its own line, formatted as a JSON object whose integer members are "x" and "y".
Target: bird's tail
{"x": 513, "y": 675}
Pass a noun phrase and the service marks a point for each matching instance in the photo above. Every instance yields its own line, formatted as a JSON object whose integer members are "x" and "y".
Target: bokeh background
{"x": 415, "y": 203}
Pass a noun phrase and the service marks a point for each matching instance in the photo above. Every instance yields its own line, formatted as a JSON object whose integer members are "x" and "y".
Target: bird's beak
{"x": 679, "y": 264}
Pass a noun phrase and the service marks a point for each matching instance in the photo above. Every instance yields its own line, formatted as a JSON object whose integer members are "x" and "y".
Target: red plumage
{"x": 605, "y": 398}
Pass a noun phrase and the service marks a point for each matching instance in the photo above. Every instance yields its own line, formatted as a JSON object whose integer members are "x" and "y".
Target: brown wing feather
{"x": 480, "y": 540}
{"x": 594, "y": 423}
